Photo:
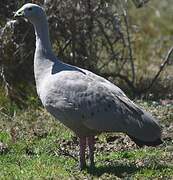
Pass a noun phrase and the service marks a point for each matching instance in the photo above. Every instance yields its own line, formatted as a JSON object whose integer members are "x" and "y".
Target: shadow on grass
{"x": 117, "y": 170}
{"x": 121, "y": 170}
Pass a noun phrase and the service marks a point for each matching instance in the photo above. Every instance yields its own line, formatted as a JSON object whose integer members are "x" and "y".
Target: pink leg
{"x": 91, "y": 143}
{"x": 82, "y": 143}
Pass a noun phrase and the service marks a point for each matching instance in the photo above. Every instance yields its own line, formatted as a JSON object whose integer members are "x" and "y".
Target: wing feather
{"x": 92, "y": 102}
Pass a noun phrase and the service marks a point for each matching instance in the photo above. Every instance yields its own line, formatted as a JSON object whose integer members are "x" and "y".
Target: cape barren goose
{"x": 83, "y": 101}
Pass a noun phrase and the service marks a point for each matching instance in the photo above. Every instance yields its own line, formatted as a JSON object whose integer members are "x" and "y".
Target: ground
{"x": 35, "y": 146}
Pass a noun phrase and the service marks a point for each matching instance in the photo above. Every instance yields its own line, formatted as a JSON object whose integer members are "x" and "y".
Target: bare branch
{"x": 166, "y": 61}
{"x": 106, "y": 36}
{"x": 129, "y": 44}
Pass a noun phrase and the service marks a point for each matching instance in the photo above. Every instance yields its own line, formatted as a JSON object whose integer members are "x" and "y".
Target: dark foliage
{"x": 92, "y": 34}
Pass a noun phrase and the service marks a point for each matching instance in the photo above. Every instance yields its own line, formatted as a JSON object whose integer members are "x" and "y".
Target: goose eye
{"x": 30, "y": 9}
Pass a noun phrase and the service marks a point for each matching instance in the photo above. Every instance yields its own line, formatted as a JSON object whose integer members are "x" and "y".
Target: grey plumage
{"x": 83, "y": 101}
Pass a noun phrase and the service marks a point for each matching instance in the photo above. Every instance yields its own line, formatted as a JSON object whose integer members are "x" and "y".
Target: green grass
{"x": 38, "y": 147}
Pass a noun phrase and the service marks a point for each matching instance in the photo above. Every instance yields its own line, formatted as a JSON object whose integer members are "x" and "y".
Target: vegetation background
{"x": 127, "y": 42}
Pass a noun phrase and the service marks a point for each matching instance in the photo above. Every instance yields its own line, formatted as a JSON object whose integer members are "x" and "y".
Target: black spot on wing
{"x": 105, "y": 109}
{"x": 89, "y": 103}
{"x": 83, "y": 116}
{"x": 109, "y": 105}
{"x": 92, "y": 114}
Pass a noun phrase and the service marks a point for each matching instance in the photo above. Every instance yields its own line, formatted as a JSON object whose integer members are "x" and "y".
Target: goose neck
{"x": 43, "y": 45}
